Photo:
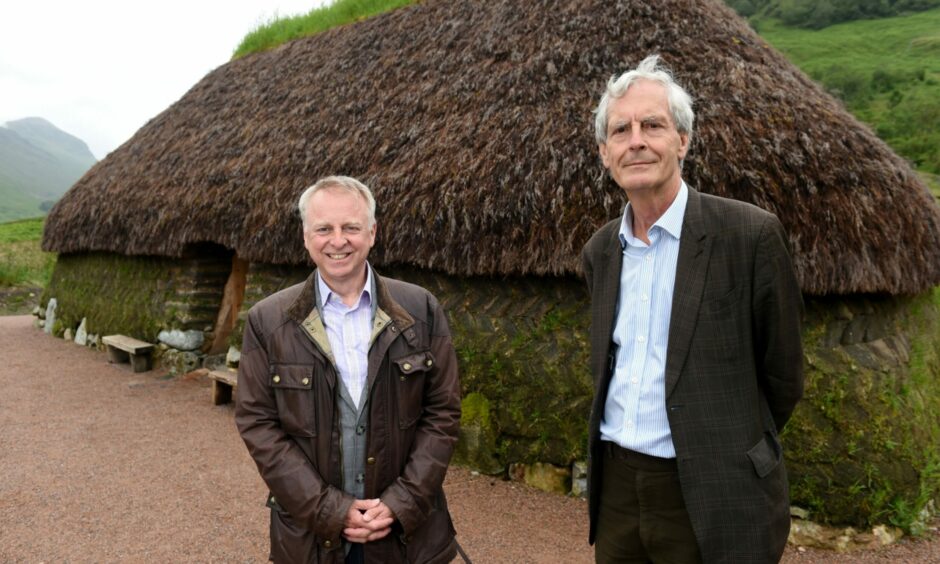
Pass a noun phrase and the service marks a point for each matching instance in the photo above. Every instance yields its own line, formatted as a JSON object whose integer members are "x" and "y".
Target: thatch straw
{"x": 472, "y": 122}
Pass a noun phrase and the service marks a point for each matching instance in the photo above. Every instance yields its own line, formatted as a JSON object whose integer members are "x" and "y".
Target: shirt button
{"x": 641, "y": 338}
{"x": 629, "y": 424}
{"x": 649, "y": 258}
{"x": 370, "y": 460}
{"x": 645, "y": 298}
{"x": 429, "y": 362}
{"x": 634, "y": 380}
{"x": 327, "y": 544}
{"x": 276, "y": 378}
{"x": 406, "y": 366}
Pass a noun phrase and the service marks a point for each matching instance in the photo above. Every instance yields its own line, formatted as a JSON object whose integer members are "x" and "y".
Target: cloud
{"x": 100, "y": 69}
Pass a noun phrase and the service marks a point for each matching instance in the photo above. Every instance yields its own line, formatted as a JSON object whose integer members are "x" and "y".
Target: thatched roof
{"x": 472, "y": 122}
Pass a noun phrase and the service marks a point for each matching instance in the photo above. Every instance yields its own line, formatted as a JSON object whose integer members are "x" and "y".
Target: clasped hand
{"x": 368, "y": 520}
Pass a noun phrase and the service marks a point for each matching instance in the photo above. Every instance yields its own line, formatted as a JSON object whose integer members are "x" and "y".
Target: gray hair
{"x": 680, "y": 102}
{"x": 346, "y": 183}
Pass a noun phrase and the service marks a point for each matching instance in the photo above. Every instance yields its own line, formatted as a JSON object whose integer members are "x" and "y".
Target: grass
{"x": 276, "y": 31}
{"x": 22, "y": 262}
{"x": 886, "y": 71}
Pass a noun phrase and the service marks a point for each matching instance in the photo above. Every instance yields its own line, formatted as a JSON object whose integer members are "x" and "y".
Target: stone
{"x": 179, "y": 362}
{"x": 81, "y": 334}
{"x": 50, "y": 315}
{"x": 92, "y": 341}
{"x": 182, "y": 340}
{"x": 214, "y": 362}
{"x": 548, "y": 477}
{"x": 814, "y": 535}
{"x": 579, "y": 479}
{"x": 38, "y": 312}
{"x": 67, "y": 335}
{"x": 233, "y": 357}
{"x": 799, "y": 512}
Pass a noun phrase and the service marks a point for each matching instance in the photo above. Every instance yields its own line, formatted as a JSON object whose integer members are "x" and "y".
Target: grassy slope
{"x": 22, "y": 262}
{"x": 887, "y": 71}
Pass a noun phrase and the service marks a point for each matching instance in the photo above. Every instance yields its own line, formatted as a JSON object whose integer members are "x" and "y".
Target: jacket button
{"x": 429, "y": 362}
{"x": 327, "y": 544}
{"x": 406, "y": 366}
{"x": 370, "y": 460}
{"x": 276, "y": 378}
{"x": 305, "y": 381}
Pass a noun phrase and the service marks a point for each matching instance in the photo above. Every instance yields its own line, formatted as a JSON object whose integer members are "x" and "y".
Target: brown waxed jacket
{"x": 287, "y": 416}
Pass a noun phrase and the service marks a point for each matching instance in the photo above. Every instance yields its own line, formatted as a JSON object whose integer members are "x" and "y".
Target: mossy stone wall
{"x": 863, "y": 446}
{"x": 138, "y": 296}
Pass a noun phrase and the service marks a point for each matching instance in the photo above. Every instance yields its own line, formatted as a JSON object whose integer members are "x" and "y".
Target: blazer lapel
{"x": 608, "y": 288}
{"x": 691, "y": 270}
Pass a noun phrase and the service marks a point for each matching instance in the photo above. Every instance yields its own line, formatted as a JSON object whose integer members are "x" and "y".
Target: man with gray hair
{"x": 349, "y": 401}
{"x": 695, "y": 349}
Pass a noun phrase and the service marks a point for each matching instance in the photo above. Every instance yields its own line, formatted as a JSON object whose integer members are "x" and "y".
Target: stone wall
{"x": 863, "y": 446}
{"x": 139, "y": 296}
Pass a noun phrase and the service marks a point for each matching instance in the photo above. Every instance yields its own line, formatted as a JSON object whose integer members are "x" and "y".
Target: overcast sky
{"x": 99, "y": 69}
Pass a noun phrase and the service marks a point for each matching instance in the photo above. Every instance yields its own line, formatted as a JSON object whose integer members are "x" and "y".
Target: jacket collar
{"x": 306, "y": 302}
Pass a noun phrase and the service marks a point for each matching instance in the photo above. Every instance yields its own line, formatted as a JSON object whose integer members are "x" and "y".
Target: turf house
{"x": 472, "y": 122}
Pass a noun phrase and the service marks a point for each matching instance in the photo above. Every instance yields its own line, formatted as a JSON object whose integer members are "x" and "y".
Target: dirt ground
{"x": 100, "y": 464}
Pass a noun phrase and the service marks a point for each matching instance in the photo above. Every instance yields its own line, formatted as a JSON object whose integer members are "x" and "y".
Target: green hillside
{"x": 887, "y": 72}
{"x": 38, "y": 163}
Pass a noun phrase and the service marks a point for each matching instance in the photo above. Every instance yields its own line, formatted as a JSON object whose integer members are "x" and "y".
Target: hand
{"x": 368, "y": 520}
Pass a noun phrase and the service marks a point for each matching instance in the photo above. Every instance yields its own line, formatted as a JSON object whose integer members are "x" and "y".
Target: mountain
{"x": 38, "y": 163}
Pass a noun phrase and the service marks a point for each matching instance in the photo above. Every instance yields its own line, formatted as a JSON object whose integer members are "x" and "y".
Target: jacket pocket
{"x": 766, "y": 455}
{"x": 294, "y": 393}
{"x": 411, "y": 371}
{"x": 290, "y": 542}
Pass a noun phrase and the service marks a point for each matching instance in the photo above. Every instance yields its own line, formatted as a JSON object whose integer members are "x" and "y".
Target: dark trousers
{"x": 642, "y": 517}
{"x": 356, "y": 554}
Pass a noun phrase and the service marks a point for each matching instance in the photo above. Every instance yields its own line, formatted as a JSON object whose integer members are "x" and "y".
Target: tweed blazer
{"x": 734, "y": 372}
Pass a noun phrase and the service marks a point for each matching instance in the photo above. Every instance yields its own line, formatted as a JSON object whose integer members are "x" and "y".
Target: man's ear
{"x": 683, "y": 145}
{"x": 602, "y": 149}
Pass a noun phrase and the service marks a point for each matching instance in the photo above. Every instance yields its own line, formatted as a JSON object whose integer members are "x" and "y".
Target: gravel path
{"x": 102, "y": 465}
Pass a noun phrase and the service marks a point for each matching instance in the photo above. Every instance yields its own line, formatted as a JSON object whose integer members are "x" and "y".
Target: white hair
{"x": 680, "y": 103}
{"x": 346, "y": 183}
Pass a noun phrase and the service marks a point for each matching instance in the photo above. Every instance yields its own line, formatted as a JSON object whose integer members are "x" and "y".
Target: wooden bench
{"x": 223, "y": 383}
{"x": 126, "y": 349}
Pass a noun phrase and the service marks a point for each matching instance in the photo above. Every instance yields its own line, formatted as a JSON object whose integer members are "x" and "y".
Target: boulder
{"x": 182, "y": 340}
{"x": 50, "y": 315}
{"x": 81, "y": 334}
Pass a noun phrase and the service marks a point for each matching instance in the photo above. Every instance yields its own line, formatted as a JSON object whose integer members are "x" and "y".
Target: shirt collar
{"x": 326, "y": 293}
{"x": 670, "y": 221}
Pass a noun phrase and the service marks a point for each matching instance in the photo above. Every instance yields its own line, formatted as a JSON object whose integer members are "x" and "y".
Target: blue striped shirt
{"x": 349, "y": 330}
{"x": 635, "y": 411}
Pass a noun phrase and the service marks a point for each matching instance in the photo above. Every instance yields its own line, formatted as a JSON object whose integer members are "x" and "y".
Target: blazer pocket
{"x": 766, "y": 455}
{"x": 294, "y": 393}
{"x": 411, "y": 371}
{"x": 716, "y": 305}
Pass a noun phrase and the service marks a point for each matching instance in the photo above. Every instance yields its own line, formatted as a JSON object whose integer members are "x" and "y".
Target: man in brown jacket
{"x": 349, "y": 401}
